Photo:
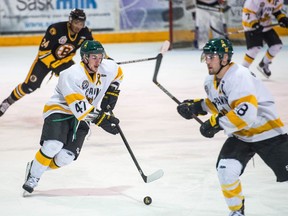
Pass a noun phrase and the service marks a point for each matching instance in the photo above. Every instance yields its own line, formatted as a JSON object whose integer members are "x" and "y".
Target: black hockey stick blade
{"x": 164, "y": 48}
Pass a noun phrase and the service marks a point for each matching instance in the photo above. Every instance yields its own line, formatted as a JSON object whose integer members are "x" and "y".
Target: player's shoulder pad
{"x": 72, "y": 72}
{"x": 54, "y": 28}
{"x": 109, "y": 66}
{"x": 86, "y": 29}
{"x": 58, "y": 25}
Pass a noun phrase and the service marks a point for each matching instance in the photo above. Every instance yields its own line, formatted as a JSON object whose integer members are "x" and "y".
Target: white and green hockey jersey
{"x": 248, "y": 107}
{"x": 77, "y": 93}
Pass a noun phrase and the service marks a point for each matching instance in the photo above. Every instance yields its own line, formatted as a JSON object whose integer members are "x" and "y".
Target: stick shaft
{"x": 157, "y": 68}
{"x": 238, "y": 31}
{"x": 136, "y": 60}
{"x": 131, "y": 153}
{"x": 164, "y": 48}
{"x": 147, "y": 179}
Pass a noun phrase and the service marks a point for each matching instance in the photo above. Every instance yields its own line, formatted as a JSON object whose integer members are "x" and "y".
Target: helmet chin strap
{"x": 221, "y": 67}
{"x": 87, "y": 65}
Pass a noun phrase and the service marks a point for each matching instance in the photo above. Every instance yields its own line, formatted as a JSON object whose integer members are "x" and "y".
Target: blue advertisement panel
{"x": 37, "y": 15}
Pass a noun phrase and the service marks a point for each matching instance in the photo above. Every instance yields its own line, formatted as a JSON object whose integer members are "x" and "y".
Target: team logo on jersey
{"x": 53, "y": 31}
{"x": 62, "y": 40}
{"x": 85, "y": 84}
{"x": 33, "y": 78}
{"x": 64, "y": 50}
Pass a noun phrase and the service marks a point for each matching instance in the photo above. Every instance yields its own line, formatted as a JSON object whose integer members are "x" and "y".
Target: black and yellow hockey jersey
{"x": 58, "y": 45}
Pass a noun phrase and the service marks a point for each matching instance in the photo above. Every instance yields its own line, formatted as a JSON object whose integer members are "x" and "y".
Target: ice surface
{"x": 104, "y": 180}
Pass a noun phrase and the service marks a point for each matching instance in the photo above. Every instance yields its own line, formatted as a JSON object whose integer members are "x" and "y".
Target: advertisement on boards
{"x": 144, "y": 14}
{"x": 32, "y": 16}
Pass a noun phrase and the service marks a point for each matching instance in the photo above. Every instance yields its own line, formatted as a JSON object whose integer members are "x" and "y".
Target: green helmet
{"x": 91, "y": 47}
{"x": 219, "y": 46}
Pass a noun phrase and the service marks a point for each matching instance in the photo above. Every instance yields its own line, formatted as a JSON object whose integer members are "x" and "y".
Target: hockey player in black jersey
{"x": 56, "y": 52}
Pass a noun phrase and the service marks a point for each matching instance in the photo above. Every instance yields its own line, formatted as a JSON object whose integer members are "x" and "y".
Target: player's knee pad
{"x": 28, "y": 88}
{"x": 253, "y": 51}
{"x": 274, "y": 49}
{"x": 51, "y": 147}
{"x": 64, "y": 157}
{"x": 229, "y": 170}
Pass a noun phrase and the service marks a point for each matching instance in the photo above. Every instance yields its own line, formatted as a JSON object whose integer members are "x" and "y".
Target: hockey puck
{"x": 147, "y": 200}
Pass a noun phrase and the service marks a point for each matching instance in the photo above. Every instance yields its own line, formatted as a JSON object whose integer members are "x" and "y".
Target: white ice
{"x": 104, "y": 180}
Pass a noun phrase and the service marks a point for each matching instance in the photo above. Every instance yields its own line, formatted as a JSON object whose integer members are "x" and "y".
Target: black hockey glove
{"x": 110, "y": 99}
{"x": 189, "y": 107}
{"x": 283, "y": 22}
{"x": 210, "y": 127}
{"x": 107, "y": 122}
{"x": 257, "y": 28}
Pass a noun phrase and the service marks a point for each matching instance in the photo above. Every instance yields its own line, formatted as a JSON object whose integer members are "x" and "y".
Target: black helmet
{"x": 219, "y": 46}
{"x": 77, "y": 14}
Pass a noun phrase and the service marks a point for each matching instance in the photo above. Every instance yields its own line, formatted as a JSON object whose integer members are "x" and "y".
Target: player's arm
{"x": 46, "y": 54}
{"x": 243, "y": 108}
{"x": 243, "y": 114}
{"x": 74, "y": 95}
{"x": 88, "y": 34}
{"x": 249, "y": 14}
{"x": 45, "y": 49}
{"x": 281, "y": 17}
{"x": 111, "y": 95}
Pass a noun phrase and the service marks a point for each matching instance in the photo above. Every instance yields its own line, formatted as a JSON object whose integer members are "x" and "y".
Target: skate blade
{"x": 25, "y": 194}
{"x": 262, "y": 72}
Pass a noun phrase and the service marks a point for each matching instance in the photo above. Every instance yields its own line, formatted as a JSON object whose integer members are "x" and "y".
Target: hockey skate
{"x": 30, "y": 181}
{"x": 239, "y": 212}
{"x": 4, "y": 106}
{"x": 236, "y": 213}
{"x": 264, "y": 69}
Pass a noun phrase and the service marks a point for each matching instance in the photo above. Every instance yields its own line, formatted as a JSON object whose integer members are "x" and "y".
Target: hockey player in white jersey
{"x": 255, "y": 16}
{"x": 81, "y": 89}
{"x": 244, "y": 109}
{"x": 206, "y": 13}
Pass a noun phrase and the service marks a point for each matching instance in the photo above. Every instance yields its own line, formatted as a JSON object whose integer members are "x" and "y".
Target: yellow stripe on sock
{"x": 42, "y": 159}
{"x": 53, "y": 165}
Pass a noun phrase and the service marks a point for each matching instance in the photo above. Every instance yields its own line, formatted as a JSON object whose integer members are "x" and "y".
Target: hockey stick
{"x": 157, "y": 67}
{"x": 163, "y": 49}
{"x": 239, "y": 31}
{"x": 147, "y": 179}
